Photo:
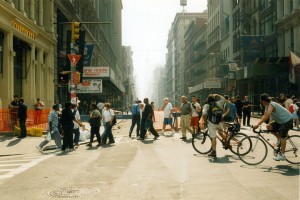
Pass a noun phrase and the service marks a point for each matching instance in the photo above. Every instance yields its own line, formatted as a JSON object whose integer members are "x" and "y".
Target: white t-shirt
{"x": 167, "y": 110}
{"x": 198, "y": 107}
{"x": 295, "y": 108}
{"x": 77, "y": 116}
{"x": 107, "y": 115}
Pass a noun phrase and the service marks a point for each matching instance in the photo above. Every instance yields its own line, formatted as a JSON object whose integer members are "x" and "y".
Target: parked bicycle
{"x": 233, "y": 139}
{"x": 259, "y": 150}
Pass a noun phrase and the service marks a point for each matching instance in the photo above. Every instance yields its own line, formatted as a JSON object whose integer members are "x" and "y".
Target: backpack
{"x": 215, "y": 113}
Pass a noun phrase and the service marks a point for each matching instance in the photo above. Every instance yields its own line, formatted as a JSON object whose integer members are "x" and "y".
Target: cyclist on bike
{"x": 281, "y": 124}
{"x": 212, "y": 114}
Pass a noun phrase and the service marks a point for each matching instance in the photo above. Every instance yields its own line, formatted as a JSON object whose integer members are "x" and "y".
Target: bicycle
{"x": 202, "y": 142}
{"x": 259, "y": 150}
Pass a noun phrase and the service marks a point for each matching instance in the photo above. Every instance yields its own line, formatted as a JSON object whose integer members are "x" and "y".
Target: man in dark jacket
{"x": 67, "y": 119}
{"x": 22, "y": 115}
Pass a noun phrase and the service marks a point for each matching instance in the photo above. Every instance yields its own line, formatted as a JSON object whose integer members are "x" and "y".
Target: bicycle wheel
{"x": 257, "y": 154}
{"x": 292, "y": 150}
{"x": 235, "y": 142}
{"x": 202, "y": 143}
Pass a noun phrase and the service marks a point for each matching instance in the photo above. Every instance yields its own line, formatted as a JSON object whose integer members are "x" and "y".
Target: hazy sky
{"x": 146, "y": 24}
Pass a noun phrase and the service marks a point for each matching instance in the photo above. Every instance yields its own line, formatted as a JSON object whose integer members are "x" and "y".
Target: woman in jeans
{"x": 107, "y": 116}
{"x": 95, "y": 121}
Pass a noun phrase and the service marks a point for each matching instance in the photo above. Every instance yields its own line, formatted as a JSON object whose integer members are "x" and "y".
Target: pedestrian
{"x": 168, "y": 110}
{"x": 293, "y": 108}
{"x": 281, "y": 99}
{"x": 146, "y": 122}
{"x": 83, "y": 107}
{"x": 107, "y": 116}
{"x": 239, "y": 108}
{"x": 185, "y": 119}
{"x": 246, "y": 111}
{"x": 226, "y": 117}
{"x": 288, "y": 101}
{"x": 38, "y": 107}
{"x": 95, "y": 122}
{"x": 100, "y": 106}
{"x": 233, "y": 110}
{"x": 195, "y": 117}
{"x": 53, "y": 129}
{"x": 136, "y": 118}
{"x": 67, "y": 119}
{"x": 22, "y": 115}
{"x": 13, "y": 111}
{"x": 76, "y": 130}
{"x": 153, "y": 109}
{"x": 212, "y": 113}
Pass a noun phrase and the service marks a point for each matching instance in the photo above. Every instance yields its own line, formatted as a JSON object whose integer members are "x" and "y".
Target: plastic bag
{"x": 48, "y": 137}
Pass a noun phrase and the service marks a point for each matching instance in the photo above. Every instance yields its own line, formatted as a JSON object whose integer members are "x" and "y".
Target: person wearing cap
{"x": 22, "y": 115}
{"x": 13, "y": 111}
{"x": 38, "y": 106}
{"x": 281, "y": 124}
{"x": 53, "y": 128}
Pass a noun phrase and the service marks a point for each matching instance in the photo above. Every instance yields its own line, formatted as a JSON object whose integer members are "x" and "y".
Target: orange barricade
{"x": 9, "y": 119}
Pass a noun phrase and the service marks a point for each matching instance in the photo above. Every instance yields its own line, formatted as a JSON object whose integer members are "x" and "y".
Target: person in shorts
{"x": 168, "y": 120}
{"x": 281, "y": 123}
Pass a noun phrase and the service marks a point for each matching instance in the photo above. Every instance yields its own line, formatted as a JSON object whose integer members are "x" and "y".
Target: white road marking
{"x": 20, "y": 167}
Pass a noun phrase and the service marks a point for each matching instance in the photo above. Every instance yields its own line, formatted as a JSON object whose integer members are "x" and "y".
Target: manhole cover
{"x": 72, "y": 192}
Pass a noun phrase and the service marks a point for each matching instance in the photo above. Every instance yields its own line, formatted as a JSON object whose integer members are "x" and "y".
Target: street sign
{"x": 76, "y": 78}
{"x": 74, "y": 58}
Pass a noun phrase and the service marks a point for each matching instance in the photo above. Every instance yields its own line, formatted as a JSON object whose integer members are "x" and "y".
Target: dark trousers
{"x": 23, "y": 127}
{"x": 68, "y": 139}
{"x": 76, "y": 137}
{"x": 147, "y": 124}
{"x": 246, "y": 115}
{"x": 143, "y": 129}
{"x": 95, "y": 131}
{"x": 135, "y": 120}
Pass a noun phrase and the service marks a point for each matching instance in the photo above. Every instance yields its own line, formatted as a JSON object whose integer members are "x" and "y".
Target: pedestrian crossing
{"x": 11, "y": 166}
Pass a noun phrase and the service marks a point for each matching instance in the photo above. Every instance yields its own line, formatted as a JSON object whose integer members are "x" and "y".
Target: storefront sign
{"x": 23, "y": 29}
{"x": 212, "y": 84}
{"x": 95, "y": 72}
{"x": 90, "y": 86}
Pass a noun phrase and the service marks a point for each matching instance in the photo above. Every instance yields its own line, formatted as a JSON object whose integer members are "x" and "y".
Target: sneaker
{"x": 173, "y": 131}
{"x": 183, "y": 138}
{"x": 39, "y": 148}
{"x": 212, "y": 154}
{"x": 279, "y": 157}
{"x": 155, "y": 138}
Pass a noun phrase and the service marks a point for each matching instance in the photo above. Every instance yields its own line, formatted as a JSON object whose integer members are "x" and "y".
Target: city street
{"x": 167, "y": 168}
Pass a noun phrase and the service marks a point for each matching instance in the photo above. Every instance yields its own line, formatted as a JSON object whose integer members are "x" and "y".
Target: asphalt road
{"x": 167, "y": 168}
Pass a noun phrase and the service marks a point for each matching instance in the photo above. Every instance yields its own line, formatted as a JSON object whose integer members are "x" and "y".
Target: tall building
{"x": 129, "y": 94}
{"x": 101, "y": 27}
{"x": 27, "y": 51}
{"x": 175, "y": 58}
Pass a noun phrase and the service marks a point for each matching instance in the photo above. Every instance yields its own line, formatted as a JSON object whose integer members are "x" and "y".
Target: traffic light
{"x": 75, "y": 31}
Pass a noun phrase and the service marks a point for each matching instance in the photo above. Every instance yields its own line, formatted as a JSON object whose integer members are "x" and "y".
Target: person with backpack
{"x": 212, "y": 113}
{"x": 136, "y": 118}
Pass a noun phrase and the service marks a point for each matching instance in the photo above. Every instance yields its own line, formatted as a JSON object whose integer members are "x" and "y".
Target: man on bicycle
{"x": 212, "y": 113}
{"x": 281, "y": 124}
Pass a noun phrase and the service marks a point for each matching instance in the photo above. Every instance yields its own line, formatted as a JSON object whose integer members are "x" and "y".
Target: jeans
{"x": 76, "y": 133}
{"x": 95, "y": 131}
{"x": 57, "y": 139}
{"x": 107, "y": 133}
{"x": 246, "y": 115}
{"x": 135, "y": 120}
{"x": 23, "y": 127}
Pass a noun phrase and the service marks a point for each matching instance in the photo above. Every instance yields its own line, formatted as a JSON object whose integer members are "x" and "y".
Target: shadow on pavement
{"x": 13, "y": 142}
{"x": 286, "y": 170}
{"x": 147, "y": 141}
{"x": 221, "y": 160}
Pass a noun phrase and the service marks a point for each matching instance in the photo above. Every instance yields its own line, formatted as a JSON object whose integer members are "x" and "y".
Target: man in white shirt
{"x": 76, "y": 130}
{"x": 168, "y": 109}
{"x": 195, "y": 116}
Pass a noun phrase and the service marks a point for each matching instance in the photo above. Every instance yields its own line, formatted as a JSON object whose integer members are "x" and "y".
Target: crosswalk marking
{"x": 17, "y": 166}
